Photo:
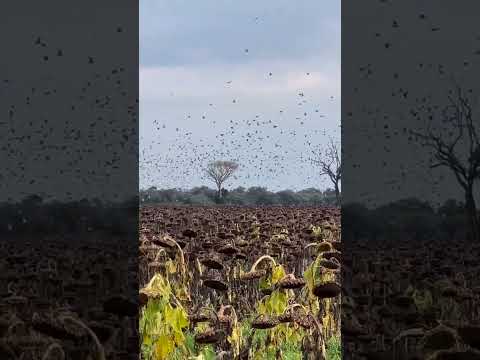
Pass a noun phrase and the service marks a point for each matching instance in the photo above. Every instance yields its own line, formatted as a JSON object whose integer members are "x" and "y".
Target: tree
{"x": 260, "y": 196}
{"x": 455, "y": 144}
{"x": 452, "y": 218}
{"x": 219, "y": 171}
{"x": 239, "y": 196}
{"x": 288, "y": 197}
{"x": 330, "y": 165}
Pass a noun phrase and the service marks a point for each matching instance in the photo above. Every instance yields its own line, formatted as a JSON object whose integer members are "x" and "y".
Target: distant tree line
{"x": 34, "y": 216}
{"x": 240, "y": 196}
{"x": 405, "y": 220}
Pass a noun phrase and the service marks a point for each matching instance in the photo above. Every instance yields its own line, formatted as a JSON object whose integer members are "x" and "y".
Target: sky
{"x": 68, "y": 93}
{"x": 400, "y": 57}
{"x": 254, "y": 82}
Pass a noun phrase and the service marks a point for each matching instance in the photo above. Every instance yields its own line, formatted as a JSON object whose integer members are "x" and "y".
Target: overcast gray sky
{"x": 256, "y": 82}
{"x": 396, "y": 55}
{"x": 66, "y": 128}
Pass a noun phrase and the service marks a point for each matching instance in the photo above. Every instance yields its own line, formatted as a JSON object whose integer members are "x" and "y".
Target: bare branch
{"x": 329, "y": 163}
{"x": 219, "y": 171}
{"x": 456, "y": 133}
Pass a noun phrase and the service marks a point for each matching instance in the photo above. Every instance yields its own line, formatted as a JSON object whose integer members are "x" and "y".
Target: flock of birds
{"x": 72, "y": 127}
{"x": 277, "y": 143}
{"x": 264, "y": 148}
{"x": 268, "y": 146}
{"x": 390, "y": 99}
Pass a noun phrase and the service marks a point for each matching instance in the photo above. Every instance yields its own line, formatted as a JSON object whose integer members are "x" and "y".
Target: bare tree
{"x": 329, "y": 162}
{"x": 455, "y": 144}
{"x": 219, "y": 171}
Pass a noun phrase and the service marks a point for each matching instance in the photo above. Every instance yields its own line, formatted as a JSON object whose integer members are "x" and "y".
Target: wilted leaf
{"x": 278, "y": 273}
{"x": 265, "y": 283}
{"x": 176, "y": 318}
{"x": 178, "y": 337}
{"x": 171, "y": 267}
{"x": 163, "y": 347}
{"x": 309, "y": 277}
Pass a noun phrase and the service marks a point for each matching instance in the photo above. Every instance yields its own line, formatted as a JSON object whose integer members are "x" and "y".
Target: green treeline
{"x": 239, "y": 196}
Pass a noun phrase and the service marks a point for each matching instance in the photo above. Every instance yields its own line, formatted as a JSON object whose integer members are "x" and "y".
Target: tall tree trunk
{"x": 337, "y": 193}
{"x": 219, "y": 187}
{"x": 472, "y": 216}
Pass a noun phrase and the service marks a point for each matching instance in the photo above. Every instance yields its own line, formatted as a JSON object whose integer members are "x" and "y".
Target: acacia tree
{"x": 455, "y": 144}
{"x": 328, "y": 160}
{"x": 219, "y": 171}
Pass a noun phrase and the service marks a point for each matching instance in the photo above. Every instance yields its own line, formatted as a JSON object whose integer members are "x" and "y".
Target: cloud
{"x": 206, "y": 64}
{"x": 162, "y": 83}
{"x": 180, "y": 97}
{"x": 209, "y": 31}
